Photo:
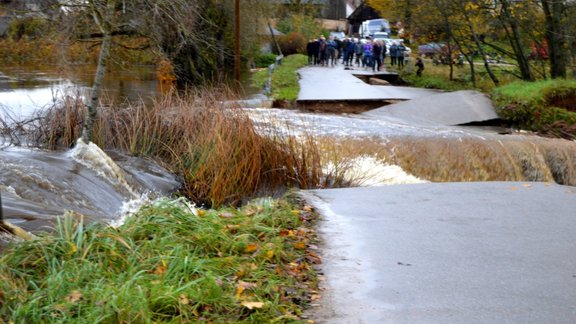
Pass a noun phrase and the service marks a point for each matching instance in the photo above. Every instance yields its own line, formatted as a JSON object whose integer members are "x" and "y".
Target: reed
{"x": 200, "y": 136}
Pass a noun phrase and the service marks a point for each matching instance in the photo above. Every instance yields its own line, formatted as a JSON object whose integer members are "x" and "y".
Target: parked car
{"x": 438, "y": 51}
{"x": 432, "y": 49}
{"x": 338, "y": 35}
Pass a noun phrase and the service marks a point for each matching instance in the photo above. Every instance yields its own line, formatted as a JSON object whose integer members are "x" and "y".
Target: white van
{"x": 373, "y": 26}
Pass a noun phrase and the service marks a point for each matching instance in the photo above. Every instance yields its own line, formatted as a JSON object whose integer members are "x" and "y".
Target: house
{"x": 333, "y": 13}
{"x": 361, "y": 13}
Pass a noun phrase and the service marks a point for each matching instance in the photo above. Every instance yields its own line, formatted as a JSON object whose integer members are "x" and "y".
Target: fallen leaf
{"x": 74, "y": 297}
{"x": 527, "y": 185}
{"x": 232, "y": 228}
{"x": 241, "y": 286}
{"x": 252, "y": 305}
{"x": 308, "y": 208}
{"x": 251, "y": 248}
{"x": 183, "y": 300}
{"x": 247, "y": 285}
{"x": 299, "y": 245}
{"x": 315, "y": 297}
{"x": 226, "y": 215}
{"x": 285, "y": 232}
{"x": 161, "y": 268}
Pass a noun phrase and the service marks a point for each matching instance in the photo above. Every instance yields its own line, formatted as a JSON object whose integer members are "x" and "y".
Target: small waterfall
{"x": 505, "y": 158}
{"x": 92, "y": 157}
{"x": 368, "y": 171}
{"x": 39, "y": 186}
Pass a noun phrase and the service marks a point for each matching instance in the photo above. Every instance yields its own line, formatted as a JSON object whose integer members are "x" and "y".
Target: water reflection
{"x": 25, "y": 90}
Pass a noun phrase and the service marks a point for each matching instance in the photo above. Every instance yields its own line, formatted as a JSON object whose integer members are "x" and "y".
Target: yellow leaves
{"x": 252, "y": 305}
{"x": 243, "y": 286}
{"x": 471, "y": 6}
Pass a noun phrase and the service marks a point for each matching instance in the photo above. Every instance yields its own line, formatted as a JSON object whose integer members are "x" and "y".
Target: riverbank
{"x": 170, "y": 261}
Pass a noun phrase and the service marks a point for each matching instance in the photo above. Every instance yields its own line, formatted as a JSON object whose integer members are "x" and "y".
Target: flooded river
{"x": 38, "y": 186}
{"x": 25, "y": 90}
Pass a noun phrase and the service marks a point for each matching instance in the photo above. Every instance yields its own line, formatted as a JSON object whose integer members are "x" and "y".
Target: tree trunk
{"x": 553, "y": 11}
{"x": 516, "y": 42}
{"x": 481, "y": 50}
{"x": 105, "y": 22}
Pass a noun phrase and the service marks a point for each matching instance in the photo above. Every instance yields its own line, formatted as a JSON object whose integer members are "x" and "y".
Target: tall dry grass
{"x": 207, "y": 141}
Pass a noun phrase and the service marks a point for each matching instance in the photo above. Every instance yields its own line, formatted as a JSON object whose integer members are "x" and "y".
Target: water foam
{"x": 368, "y": 171}
{"x": 92, "y": 157}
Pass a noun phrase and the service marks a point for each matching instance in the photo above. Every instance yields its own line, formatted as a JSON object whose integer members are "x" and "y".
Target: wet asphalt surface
{"x": 477, "y": 252}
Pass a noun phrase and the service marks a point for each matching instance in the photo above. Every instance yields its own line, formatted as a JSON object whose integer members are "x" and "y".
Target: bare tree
{"x": 104, "y": 17}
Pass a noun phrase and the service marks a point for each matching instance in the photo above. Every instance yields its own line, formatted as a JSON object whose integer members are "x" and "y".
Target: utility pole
{"x": 237, "y": 43}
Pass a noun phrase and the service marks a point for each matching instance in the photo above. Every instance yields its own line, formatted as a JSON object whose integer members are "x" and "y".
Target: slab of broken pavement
{"x": 477, "y": 252}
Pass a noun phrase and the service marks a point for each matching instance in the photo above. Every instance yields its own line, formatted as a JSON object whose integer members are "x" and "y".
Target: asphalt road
{"x": 482, "y": 252}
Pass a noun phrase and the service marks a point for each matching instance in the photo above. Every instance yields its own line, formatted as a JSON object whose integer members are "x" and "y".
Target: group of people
{"x": 366, "y": 53}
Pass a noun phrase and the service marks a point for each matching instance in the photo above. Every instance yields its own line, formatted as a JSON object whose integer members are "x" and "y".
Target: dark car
{"x": 432, "y": 49}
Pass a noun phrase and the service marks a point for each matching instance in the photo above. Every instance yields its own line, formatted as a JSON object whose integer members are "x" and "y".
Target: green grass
{"x": 548, "y": 106}
{"x": 170, "y": 262}
{"x": 284, "y": 78}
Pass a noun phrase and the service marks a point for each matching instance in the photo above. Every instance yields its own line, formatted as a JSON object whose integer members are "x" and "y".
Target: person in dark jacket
{"x": 377, "y": 55}
{"x": 400, "y": 54}
{"x": 351, "y": 48}
{"x": 393, "y": 50}
{"x": 312, "y": 51}
{"x": 359, "y": 49}
{"x": 420, "y": 66}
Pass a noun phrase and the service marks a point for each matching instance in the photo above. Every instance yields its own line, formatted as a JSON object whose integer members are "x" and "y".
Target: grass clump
{"x": 169, "y": 262}
{"x": 284, "y": 85}
{"x": 548, "y": 107}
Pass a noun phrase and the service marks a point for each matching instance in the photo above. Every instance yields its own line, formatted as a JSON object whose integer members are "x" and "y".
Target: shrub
{"x": 293, "y": 43}
{"x": 544, "y": 106}
{"x": 28, "y": 27}
{"x": 264, "y": 60}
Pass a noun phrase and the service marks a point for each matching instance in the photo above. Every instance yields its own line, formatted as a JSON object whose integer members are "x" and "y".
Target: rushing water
{"x": 38, "y": 186}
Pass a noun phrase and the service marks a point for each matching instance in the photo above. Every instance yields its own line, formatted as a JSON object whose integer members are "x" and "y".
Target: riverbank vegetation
{"x": 201, "y": 136}
{"x": 547, "y": 107}
{"x": 197, "y": 38}
{"x": 169, "y": 262}
{"x": 284, "y": 79}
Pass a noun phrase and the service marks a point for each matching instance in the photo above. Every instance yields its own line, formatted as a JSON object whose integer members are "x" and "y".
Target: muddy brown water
{"x": 38, "y": 186}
